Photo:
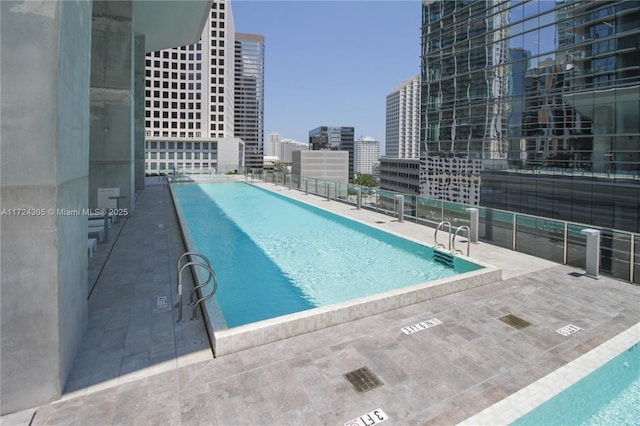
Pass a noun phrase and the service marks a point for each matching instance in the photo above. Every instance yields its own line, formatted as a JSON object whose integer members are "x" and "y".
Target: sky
{"x": 332, "y": 63}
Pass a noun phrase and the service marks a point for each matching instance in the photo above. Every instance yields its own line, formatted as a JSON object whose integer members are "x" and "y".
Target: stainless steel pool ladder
{"x": 453, "y": 242}
{"x": 212, "y": 276}
{"x": 435, "y": 235}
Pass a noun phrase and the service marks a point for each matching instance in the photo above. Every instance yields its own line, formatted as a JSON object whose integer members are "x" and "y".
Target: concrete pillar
{"x": 112, "y": 148}
{"x": 474, "y": 224}
{"x": 592, "y": 252}
{"x": 139, "y": 107}
{"x": 46, "y": 51}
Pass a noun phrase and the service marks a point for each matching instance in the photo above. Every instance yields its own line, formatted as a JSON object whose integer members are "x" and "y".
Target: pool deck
{"x": 137, "y": 366}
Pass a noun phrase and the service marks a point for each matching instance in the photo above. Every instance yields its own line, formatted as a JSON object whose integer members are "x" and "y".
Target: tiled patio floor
{"x": 136, "y": 366}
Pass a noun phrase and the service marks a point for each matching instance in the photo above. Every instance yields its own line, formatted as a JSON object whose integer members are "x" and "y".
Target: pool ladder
{"x": 452, "y": 240}
{"x": 202, "y": 263}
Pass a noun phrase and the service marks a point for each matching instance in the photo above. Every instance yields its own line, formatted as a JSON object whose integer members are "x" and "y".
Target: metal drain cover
{"x": 379, "y": 221}
{"x": 363, "y": 380}
{"x": 515, "y": 321}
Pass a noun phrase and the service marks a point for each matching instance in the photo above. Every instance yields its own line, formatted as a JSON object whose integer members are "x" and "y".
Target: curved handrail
{"x": 179, "y": 304}
{"x": 194, "y": 314}
{"x": 461, "y": 228}
{"x": 435, "y": 235}
{"x": 192, "y": 253}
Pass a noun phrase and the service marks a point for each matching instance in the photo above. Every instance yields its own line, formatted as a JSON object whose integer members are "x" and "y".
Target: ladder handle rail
{"x": 461, "y": 228}
{"x": 212, "y": 276}
{"x": 202, "y": 265}
{"x": 191, "y": 253}
{"x": 194, "y": 314}
{"x": 435, "y": 235}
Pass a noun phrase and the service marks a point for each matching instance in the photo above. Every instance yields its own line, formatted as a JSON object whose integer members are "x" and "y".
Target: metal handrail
{"x": 435, "y": 235}
{"x": 194, "y": 314}
{"x": 212, "y": 275}
{"x": 191, "y": 253}
{"x": 453, "y": 245}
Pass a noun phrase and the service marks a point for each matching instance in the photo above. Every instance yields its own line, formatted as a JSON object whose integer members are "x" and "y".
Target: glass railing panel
{"x": 386, "y": 202}
{"x": 429, "y": 211}
{"x": 496, "y": 227}
{"x": 576, "y": 246}
{"x": 456, "y": 214}
{"x": 540, "y": 237}
{"x": 636, "y": 262}
{"x": 615, "y": 254}
{"x": 410, "y": 208}
{"x": 340, "y": 192}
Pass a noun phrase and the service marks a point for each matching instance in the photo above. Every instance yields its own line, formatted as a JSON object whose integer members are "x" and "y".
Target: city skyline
{"x": 313, "y": 73}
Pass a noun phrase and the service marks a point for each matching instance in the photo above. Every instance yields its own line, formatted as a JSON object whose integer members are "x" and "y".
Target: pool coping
{"x": 531, "y": 397}
{"x": 229, "y": 340}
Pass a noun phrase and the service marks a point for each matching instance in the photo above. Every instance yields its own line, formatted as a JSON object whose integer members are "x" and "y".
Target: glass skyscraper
{"x": 545, "y": 94}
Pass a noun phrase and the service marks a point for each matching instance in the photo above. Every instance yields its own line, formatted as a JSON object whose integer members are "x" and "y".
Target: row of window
{"x": 184, "y": 105}
{"x": 153, "y": 166}
{"x": 162, "y": 145}
{"x": 152, "y": 155}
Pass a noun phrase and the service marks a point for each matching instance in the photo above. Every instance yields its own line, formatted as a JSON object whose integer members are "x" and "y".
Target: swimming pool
{"x": 601, "y": 387}
{"x": 276, "y": 258}
{"x": 608, "y": 396}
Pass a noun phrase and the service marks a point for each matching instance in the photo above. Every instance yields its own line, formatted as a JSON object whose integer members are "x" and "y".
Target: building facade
{"x": 273, "y": 140}
{"x": 190, "y": 89}
{"x": 403, "y": 120}
{"x": 249, "y": 96}
{"x": 206, "y": 94}
{"x": 334, "y": 138}
{"x": 329, "y": 165}
{"x": 545, "y": 94}
{"x": 400, "y": 175}
{"x": 286, "y": 148}
{"x": 366, "y": 156}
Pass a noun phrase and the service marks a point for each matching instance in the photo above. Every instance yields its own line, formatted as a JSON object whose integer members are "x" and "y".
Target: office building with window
{"x": 249, "y": 96}
{"x": 545, "y": 95}
{"x": 189, "y": 100}
{"x": 403, "y": 120}
{"x": 366, "y": 156}
{"x": 333, "y": 138}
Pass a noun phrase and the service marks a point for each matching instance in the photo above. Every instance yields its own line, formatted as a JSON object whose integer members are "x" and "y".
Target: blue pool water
{"x": 608, "y": 396}
{"x": 274, "y": 256}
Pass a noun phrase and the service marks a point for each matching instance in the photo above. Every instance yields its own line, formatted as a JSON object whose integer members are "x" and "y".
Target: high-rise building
{"x": 545, "y": 96}
{"x": 249, "y": 96}
{"x": 273, "y": 140}
{"x": 366, "y": 155}
{"x": 280, "y": 147}
{"x": 286, "y": 147}
{"x": 403, "y": 120}
{"x": 189, "y": 89}
{"x": 333, "y": 138}
{"x": 189, "y": 103}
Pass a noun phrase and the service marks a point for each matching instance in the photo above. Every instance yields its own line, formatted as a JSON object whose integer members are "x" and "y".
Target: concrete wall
{"x": 139, "y": 107}
{"x": 327, "y": 165}
{"x": 230, "y": 154}
{"x": 112, "y": 149}
{"x": 45, "y": 115}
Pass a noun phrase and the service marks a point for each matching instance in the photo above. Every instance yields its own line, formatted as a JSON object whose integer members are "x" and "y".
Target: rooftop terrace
{"x": 137, "y": 365}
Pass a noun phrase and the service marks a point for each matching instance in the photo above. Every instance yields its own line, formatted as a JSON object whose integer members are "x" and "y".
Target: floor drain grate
{"x": 363, "y": 380}
{"x": 515, "y": 321}
{"x": 379, "y": 221}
